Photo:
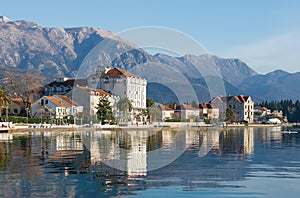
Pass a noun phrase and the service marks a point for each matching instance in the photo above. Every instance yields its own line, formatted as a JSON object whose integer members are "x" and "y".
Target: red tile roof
{"x": 56, "y": 101}
{"x": 17, "y": 100}
{"x": 206, "y": 106}
{"x": 185, "y": 107}
{"x": 261, "y": 108}
{"x": 164, "y": 107}
{"x": 68, "y": 100}
{"x": 99, "y": 91}
{"x": 115, "y": 72}
{"x": 240, "y": 98}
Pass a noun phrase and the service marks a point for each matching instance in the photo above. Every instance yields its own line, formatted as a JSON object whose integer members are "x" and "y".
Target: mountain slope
{"x": 275, "y": 85}
{"x": 48, "y": 50}
{"x": 26, "y": 46}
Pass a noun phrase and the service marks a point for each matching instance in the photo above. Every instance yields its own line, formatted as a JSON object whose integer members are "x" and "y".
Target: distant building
{"x": 89, "y": 98}
{"x": 208, "y": 111}
{"x": 123, "y": 84}
{"x": 55, "y": 107}
{"x": 185, "y": 111}
{"x": 166, "y": 112}
{"x": 62, "y": 86}
{"x": 243, "y": 106}
{"x": 275, "y": 121}
{"x": 261, "y": 111}
{"x": 74, "y": 108}
{"x": 16, "y": 107}
{"x": 277, "y": 113}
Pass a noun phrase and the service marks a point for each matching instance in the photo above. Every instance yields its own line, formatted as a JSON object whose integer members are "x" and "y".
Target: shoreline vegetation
{"x": 161, "y": 125}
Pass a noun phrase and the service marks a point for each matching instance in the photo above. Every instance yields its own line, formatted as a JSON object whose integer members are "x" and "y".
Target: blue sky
{"x": 264, "y": 34}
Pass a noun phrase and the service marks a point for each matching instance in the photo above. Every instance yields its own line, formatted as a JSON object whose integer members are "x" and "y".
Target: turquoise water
{"x": 250, "y": 162}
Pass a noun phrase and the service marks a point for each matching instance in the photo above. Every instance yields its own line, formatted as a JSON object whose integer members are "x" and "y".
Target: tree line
{"x": 289, "y": 108}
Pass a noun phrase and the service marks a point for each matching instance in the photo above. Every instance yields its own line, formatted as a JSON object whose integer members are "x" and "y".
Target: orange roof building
{"x": 56, "y": 106}
{"x": 89, "y": 98}
{"x": 123, "y": 84}
{"x": 242, "y": 105}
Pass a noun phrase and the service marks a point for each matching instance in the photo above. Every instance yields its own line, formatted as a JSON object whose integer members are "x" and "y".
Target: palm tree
{"x": 4, "y": 101}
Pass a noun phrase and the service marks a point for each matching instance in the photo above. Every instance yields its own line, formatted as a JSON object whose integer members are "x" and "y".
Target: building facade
{"x": 166, "y": 112}
{"x": 62, "y": 86}
{"x": 123, "y": 84}
{"x": 55, "y": 107}
{"x": 185, "y": 111}
{"x": 243, "y": 106}
{"x": 89, "y": 98}
{"x": 208, "y": 111}
{"x": 16, "y": 107}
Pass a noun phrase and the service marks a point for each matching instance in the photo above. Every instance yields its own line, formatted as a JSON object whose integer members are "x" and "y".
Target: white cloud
{"x": 280, "y": 52}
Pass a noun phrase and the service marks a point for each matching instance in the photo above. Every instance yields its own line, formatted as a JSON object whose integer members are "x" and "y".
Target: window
{"x": 62, "y": 88}
{"x": 54, "y": 88}
{"x": 15, "y": 110}
{"x": 46, "y": 101}
{"x": 233, "y": 106}
{"x": 119, "y": 79}
{"x": 69, "y": 87}
{"x": 47, "y": 89}
{"x": 245, "y": 113}
{"x": 106, "y": 79}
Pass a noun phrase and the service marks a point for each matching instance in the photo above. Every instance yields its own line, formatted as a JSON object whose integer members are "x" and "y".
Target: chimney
{"x": 107, "y": 68}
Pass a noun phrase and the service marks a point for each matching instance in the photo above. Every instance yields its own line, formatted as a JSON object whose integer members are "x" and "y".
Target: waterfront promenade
{"x": 19, "y": 128}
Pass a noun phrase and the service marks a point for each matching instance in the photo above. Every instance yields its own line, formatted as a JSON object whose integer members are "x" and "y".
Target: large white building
{"x": 123, "y": 84}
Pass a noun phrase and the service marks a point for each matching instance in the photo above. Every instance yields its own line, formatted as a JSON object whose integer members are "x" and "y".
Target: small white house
{"x": 274, "y": 121}
{"x": 208, "y": 111}
{"x": 166, "y": 112}
{"x": 55, "y": 107}
{"x": 185, "y": 111}
{"x": 74, "y": 109}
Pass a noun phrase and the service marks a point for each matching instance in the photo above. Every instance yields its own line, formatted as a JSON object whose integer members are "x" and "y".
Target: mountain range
{"x": 60, "y": 52}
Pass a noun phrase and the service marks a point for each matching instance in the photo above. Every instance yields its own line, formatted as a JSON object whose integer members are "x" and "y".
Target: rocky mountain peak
{"x": 59, "y": 52}
{"x": 4, "y": 19}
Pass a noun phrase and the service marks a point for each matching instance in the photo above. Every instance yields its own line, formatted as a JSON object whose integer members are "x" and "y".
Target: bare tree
{"x": 26, "y": 86}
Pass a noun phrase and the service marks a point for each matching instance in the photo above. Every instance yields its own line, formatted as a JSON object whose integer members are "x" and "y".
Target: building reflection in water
{"x": 53, "y": 157}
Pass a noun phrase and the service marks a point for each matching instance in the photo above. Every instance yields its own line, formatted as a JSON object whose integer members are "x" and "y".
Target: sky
{"x": 263, "y": 33}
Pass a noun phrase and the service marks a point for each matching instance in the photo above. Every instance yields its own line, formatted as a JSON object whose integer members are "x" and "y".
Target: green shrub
{"x": 177, "y": 120}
